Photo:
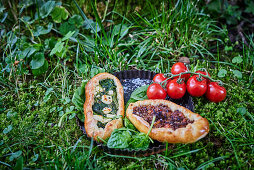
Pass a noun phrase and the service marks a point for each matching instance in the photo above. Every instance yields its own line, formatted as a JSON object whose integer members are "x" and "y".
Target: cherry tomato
{"x": 158, "y": 78}
{"x": 195, "y": 87}
{"x": 178, "y": 68}
{"x": 204, "y": 73}
{"x": 215, "y": 92}
{"x": 155, "y": 91}
{"x": 176, "y": 90}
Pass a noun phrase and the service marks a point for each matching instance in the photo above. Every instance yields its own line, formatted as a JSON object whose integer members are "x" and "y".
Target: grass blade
{"x": 99, "y": 21}
{"x": 207, "y": 163}
{"x": 84, "y": 17}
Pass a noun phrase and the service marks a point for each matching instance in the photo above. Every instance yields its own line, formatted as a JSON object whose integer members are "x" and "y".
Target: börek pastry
{"x": 173, "y": 123}
{"x": 104, "y": 106}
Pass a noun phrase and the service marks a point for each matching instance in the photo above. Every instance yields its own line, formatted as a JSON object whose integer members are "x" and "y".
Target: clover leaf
{"x": 58, "y": 48}
{"x": 66, "y": 27}
{"x": 237, "y": 74}
{"x": 237, "y": 60}
{"x": 222, "y": 73}
{"x": 58, "y": 14}
{"x": 76, "y": 20}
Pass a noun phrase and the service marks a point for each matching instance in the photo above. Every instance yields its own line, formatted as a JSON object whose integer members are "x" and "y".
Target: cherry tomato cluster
{"x": 175, "y": 87}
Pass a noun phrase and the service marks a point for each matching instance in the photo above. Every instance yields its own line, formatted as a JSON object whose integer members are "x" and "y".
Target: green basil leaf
{"x": 78, "y": 98}
{"x": 131, "y": 100}
{"x": 140, "y": 141}
{"x": 128, "y": 124}
{"x": 140, "y": 93}
{"x": 119, "y": 139}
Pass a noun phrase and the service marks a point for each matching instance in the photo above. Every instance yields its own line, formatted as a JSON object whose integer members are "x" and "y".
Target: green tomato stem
{"x": 190, "y": 72}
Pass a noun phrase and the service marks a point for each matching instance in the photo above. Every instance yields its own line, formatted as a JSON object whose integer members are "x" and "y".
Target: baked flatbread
{"x": 173, "y": 123}
{"x": 104, "y": 106}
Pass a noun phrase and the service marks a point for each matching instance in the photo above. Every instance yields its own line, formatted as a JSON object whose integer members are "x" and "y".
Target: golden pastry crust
{"x": 91, "y": 127}
{"x": 189, "y": 134}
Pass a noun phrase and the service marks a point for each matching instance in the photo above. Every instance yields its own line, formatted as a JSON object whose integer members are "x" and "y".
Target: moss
{"x": 35, "y": 131}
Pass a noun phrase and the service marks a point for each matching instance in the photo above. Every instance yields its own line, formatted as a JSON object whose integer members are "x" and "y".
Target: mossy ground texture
{"x": 43, "y": 143}
{"x": 44, "y": 62}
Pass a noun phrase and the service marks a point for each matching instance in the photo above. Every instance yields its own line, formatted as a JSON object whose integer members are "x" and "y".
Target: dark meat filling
{"x": 165, "y": 118}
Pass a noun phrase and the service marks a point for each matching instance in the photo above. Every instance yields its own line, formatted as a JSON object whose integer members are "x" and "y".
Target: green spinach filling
{"x": 105, "y": 101}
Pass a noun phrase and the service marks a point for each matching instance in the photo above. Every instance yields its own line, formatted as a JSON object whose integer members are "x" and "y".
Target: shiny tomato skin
{"x": 155, "y": 91}
{"x": 178, "y": 68}
{"x": 204, "y": 73}
{"x": 196, "y": 88}
{"x": 215, "y": 92}
{"x": 158, "y": 78}
{"x": 176, "y": 90}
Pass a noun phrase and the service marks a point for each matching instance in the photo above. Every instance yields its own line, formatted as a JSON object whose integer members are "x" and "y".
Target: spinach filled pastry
{"x": 173, "y": 123}
{"x": 104, "y": 106}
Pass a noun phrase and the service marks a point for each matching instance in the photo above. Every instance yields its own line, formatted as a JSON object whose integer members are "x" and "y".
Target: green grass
{"x": 35, "y": 131}
{"x": 38, "y": 126}
{"x": 178, "y": 30}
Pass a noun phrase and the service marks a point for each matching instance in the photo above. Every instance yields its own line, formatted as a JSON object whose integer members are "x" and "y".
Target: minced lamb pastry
{"x": 104, "y": 106}
{"x": 173, "y": 123}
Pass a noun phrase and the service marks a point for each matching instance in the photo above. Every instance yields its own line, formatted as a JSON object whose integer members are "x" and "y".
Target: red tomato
{"x": 158, "y": 78}
{"x": 155, "y": 91}
{"x": 195, "y": 87}
{"x": 178, "y": 68}
{"x": 215, "y": 92}
{"x": 204, "y": 73}
{"x": 176, "y": 90}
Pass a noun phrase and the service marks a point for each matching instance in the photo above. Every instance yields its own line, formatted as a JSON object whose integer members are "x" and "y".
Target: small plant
{"x": 51, "y": 48}
{"x": 181, "y": 31}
